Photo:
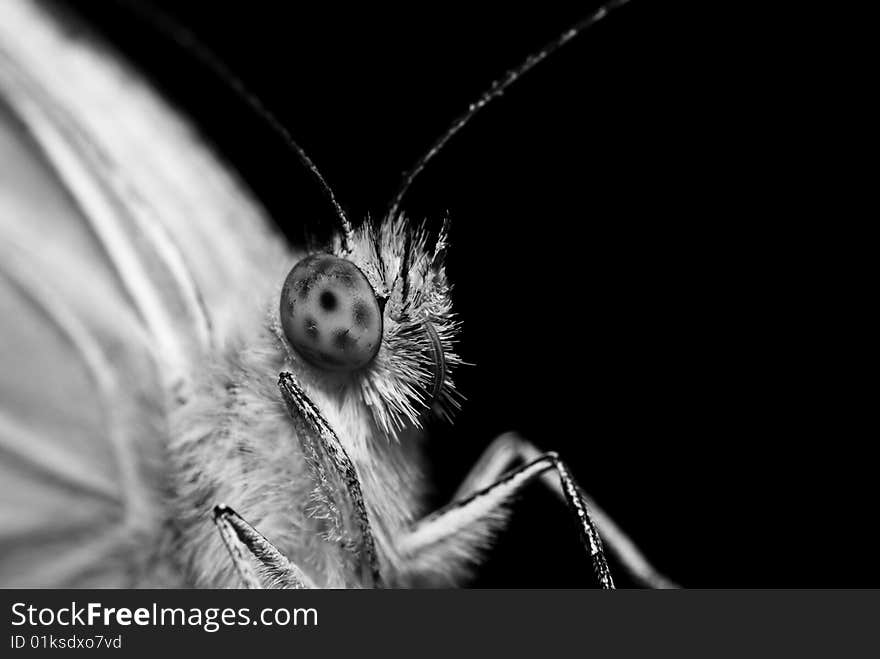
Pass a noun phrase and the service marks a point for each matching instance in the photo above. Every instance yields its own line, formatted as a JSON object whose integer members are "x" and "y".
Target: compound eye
{"x": 330, "y": 314}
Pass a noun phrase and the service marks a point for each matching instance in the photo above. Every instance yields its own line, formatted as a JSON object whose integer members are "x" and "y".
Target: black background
{"x": 649, "y": 254}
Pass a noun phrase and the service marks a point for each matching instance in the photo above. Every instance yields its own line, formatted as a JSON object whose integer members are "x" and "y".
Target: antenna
{"x": 183, "y": 37}
{"x": 497, "y": 88}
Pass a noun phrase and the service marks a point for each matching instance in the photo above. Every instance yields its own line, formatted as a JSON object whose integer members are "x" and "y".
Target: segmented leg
{"x": 509, "y": 449}
{"x": 256, "y": 559}
{"x": 459, "y": 516}
{"x": 335, "y": 475}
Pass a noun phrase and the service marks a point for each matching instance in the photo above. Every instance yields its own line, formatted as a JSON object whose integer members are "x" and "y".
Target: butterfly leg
{"x": 509, "y": 449}
{"x": 448, "y": 532}
{"x": 339, "y": 487}
{"x": 256, "y": 559}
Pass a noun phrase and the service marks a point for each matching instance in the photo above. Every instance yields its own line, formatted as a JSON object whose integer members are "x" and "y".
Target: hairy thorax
{"x": 233, "y": 443}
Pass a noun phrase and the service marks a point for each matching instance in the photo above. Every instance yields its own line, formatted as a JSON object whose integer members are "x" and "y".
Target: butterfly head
{"x": 376, "y": 310}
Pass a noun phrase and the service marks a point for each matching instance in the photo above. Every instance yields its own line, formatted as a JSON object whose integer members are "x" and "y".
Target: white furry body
{"x": 157, "y": 317}
{"x": 233, "y": 443}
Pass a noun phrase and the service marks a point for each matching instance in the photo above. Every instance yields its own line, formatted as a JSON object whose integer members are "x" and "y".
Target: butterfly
{"x": 191, "y": 401}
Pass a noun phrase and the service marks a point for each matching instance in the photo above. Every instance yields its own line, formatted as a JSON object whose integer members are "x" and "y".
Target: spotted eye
{"x": 330, "y": 314}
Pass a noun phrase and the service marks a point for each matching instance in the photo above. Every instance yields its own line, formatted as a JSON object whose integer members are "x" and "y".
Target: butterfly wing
{"x": 127, "y": 251}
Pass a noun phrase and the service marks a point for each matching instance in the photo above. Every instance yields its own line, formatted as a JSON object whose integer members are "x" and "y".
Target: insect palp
{"x": 439, "y": 360}
{"x": 337, "y": 478}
